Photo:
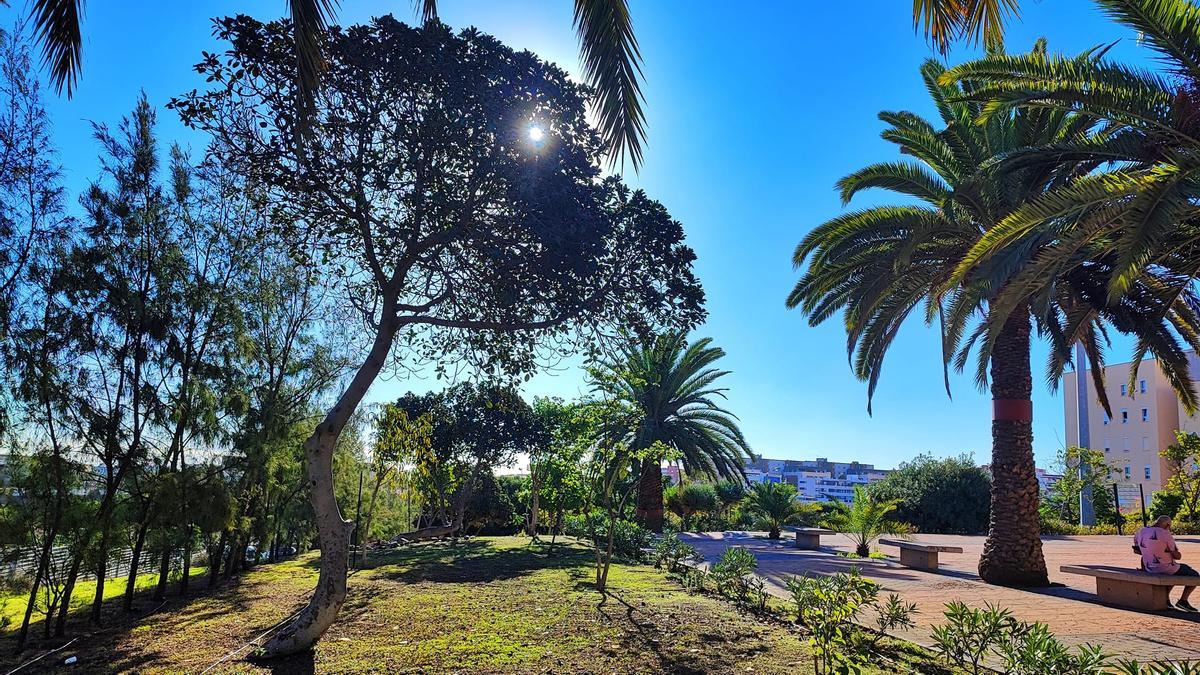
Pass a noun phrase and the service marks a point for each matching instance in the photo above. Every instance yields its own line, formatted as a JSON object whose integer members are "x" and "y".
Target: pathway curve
{"x": 1069, "y": 609}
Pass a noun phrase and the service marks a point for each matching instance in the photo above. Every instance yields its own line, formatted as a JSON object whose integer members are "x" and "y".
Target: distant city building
{"x": 818, "y": 480}
{"x": 1144, "y": 419}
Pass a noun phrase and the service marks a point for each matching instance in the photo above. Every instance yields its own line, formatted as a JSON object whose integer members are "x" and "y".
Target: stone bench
{"x": 919, "y": 555}
{"x": 1126, "y": 587}
{"x": 809, "y": 538}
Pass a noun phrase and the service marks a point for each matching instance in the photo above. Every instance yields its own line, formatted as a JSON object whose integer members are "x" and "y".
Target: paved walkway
{"x": 1070, "y": 609}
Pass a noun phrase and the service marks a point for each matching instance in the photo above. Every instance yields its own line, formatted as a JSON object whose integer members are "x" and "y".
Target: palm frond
{"x": 57, "y": 26}
{"x": 612, "y": 68}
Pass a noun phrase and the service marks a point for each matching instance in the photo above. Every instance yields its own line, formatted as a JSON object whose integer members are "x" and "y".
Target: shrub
{"x": 1165, "y": 503}
{"x": 629, "y": 538}
{"x": 828, "y": 606}
{"x": 970, "y": 635}
{"x": 1034, "y": 650}
{"x": 695, "y": 499}
{"x": 670, "y": 551}
{"x": 950, "y": 495}
{"x": 731, "y": 573}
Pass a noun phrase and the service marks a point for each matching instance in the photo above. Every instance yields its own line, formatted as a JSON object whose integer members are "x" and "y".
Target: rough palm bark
{"x": 650, "y": 496}
{"x": 1012, "y": 553}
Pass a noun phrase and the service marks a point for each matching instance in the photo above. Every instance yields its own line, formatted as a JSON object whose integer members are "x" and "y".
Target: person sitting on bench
{"x": 1160, "y": 555}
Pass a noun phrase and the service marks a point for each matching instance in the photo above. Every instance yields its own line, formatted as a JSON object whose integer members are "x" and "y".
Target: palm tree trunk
{"x": 1012, "y": 554}
{"x": 650, "y": 496}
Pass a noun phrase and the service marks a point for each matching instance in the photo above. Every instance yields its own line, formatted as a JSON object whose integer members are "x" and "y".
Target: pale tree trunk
{"x": 1012, "y": 553}
{"x": 534, "y": 487}
{"x": 334, "y": 532}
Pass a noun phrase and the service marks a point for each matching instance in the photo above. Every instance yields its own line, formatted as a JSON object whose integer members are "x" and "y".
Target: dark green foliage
{"x": 1165, "y": 503}
{"x": 945, "y": 496}
{"x": 629, "y": 538}
{"x": 774, "y": 505}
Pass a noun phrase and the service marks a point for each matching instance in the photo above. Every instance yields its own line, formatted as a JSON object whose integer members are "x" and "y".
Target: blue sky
{"x": 754, "y": 111}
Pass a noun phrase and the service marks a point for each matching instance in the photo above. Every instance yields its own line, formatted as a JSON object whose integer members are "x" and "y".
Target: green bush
{"x": 1165, "y": 503}
{"x": 670, "y": 551}
{"x": 732, "y": 574}
{"x": 971, "y": 634}
{"x": 629, "y": 538}
{"x": 829, "y": 607}
{"x": 950, "y": 495}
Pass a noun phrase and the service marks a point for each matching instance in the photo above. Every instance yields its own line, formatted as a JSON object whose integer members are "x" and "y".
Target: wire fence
{"x": 24, "y": 565}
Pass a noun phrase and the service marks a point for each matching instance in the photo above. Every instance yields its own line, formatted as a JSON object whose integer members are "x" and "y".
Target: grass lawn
{"x": 12, "y": 604}
{"x": 486, "y": 605}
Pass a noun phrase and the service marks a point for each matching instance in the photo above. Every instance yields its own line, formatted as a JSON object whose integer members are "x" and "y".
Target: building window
{"x": 1147, "y": 473}
{"x": 1145, "y": 443}
{"x": 1128, "y": 473}
{"x": 1145, "y": 414}
{"x": 1123, "y": 391}
{"x": 1107, "y": 447}
{"x": 1125, "y": 444}
{"x": 1106, "y": 419}
{"x": 1124, "y": 417}
{"x": 1142, "y": 386}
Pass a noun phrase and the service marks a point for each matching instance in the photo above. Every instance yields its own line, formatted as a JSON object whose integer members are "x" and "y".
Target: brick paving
{"x": 1069, "y": 608}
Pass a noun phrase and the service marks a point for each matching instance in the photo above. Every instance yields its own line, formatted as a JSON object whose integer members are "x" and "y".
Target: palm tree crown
{"x": 775, "y": 505}
{"x": 877, "y": 265}
{"x": 667, "y": 382}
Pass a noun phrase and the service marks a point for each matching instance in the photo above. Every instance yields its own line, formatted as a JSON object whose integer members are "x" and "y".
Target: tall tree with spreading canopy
{"x": 607, "y": 46}
{"x": 879, "y": 264}
{"x": 460, "y": 241}
{"x": 668, "y": 384}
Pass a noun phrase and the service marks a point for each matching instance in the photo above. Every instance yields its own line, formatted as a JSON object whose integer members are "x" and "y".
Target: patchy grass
{"x": 485, "y": 605}
{"x": 12, "y": 602}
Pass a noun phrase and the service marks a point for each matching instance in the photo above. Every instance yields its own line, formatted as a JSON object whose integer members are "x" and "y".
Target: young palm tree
{"x": 864, "y": 519}
{"x": 668, "y": 384}
{"x": 775, "y": 505}
{"x": 879, "y": 264}
{"x": 608, "y": 49}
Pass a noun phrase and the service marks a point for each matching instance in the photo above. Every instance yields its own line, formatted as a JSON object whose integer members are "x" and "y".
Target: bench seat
{"x": 1132, "y": 588}
{"x": 918, "y": 554}
{"x": 809, "y": 538}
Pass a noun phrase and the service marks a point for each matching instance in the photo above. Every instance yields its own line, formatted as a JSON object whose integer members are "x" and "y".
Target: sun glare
{"x": 535, "y": 133}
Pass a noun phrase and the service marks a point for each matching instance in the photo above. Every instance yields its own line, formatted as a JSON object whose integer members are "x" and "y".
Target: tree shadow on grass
{"x": 474, "y": 561}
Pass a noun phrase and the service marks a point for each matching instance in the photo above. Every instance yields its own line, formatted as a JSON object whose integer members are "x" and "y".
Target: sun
{"x": 536, "y": 134}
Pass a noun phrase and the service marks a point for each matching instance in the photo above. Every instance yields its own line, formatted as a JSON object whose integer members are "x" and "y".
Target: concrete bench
{"x": 919, "y": 555}
{"x": 809, "y": 538}
{"x": 1131, "y": 588}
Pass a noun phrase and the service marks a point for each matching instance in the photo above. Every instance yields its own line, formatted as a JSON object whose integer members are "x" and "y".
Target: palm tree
{"x": 1135, "y": 221}
{"x": 775, "y": 505}
{"x": 877, "y": 265}
{"x": 607, "y": 45}
{"x": 667, "y": 383}
{"x": 864, "y": 519}
{"x": 693, "y": 499}
{"x": 973, "y": 20}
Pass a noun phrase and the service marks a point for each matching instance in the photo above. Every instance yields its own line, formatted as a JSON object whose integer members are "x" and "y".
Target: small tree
{"x": 865, "y": 519}
{"x": 398, "y": 439}
{"x": 1082, "y": 469}
{"x": 1183, "y": 457}
{"x": 775, "y": 504}
{"x": 696, "y": 499}
{"x": 731, "y": 493}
